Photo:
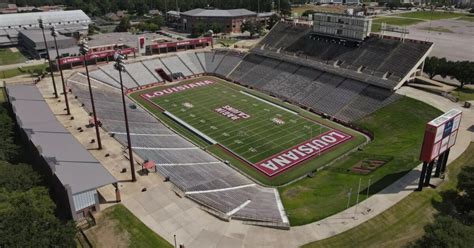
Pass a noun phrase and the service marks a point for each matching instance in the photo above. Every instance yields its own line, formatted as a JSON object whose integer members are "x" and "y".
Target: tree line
{"x": 454, "y": 225}
{"x": 27, "y": 213}
{"x": 463, "y": 71}
{"x": 140, "y": 7}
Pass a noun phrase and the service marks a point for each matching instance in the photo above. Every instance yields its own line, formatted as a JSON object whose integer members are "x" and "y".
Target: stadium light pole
{"x": 119, "y": 66}
{"x": 41, "y": 25}
{"x": 84, "y": 49}
{"x": 54, "y": 33}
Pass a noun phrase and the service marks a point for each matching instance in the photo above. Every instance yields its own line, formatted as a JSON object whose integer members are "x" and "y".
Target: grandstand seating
{"x": 212, "y": 60}
{"x": 283, "y": 35}
{"x": 175, "y": 65}
{"x": 283, "y": 71}
{"x": 154, "y": 64}
{"x": 228, "y": 63}
{"x": 141, "y": 74}
{"x": 247, "y": 64}
{"x": 202, "y": 60}
{"x": 103, "y": 77}
{"x": 375, "y": 55}
{"x": 192, "y": 62}
{"x": 259, "y": 71}
{"x": 128, "y": 82}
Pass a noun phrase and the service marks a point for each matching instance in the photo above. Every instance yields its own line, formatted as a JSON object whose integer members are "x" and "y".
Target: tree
{"x": 465, "y": 202}
{"x": 431, "y": 66}
{"x": 18, "y": 177}
{"x": 8, "y": 148}
{"x": 252, "y": 26}
{"x": 124, "y": 25}
{"x": 27, "y": 220}
{"x": 464, "y": 72}
{"x": 273, "y": 20}
{"x": 446, "y": 232}
{"x": 308, "y": 12}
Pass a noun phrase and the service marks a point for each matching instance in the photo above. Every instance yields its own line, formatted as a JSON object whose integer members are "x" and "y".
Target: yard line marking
{"x": 235, "y": 210}
{"x": 165, "y": 148}
{"x": 270, "y": 103}
{"x": 146, "y": 134}
{"x": 219, "y": 190}
{"x": 187, "y": 164}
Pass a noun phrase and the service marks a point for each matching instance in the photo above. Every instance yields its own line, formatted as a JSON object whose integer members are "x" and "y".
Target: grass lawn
{"x": 19, "y": 71}
{"x": 404, "y": 222}
{"x": 468, "y": 18}
{"x": 376, "y": 24}
{"x": 254, "y": 138}
{"x": 118, "y": 227}
{"x": 318, "y": 8}
{"x": 431, "y": 15}
{"x": 226, "y": 42}
{"x": 8, "y": 57}
{"x": 464, "y": 94}
{"x": 2, "y": 95}
{"x": 326, "y": 193}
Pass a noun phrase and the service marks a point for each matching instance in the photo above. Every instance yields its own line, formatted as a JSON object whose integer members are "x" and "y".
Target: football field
{"x": 267, "y": 136}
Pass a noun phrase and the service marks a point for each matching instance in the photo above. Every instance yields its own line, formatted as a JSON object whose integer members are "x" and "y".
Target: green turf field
{"x": 254, "y": 138}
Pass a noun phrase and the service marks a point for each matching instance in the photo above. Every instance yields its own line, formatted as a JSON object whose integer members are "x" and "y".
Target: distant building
{"x": 342, "y": 25}
{"x": 69, "y": 23}
{"x": 7, "y": 8}
{"x": 33, "y": 43}
{"x": 227, "y": 21}
{"x": 338, "y": 1}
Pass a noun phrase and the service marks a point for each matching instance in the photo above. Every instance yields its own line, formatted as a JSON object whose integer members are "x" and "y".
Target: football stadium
{"x": 305, "y": 125}
{"x": 225, "y": 126}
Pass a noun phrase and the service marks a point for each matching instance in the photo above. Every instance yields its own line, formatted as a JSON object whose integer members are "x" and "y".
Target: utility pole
{"x": 84, "y": 49}
{"x": 54, "y": 33}
{"x": 40, "y": 21}
{"x": 357, "y": 201}
{"x": 349, "y": 194}
{"x": 119, "y": 66}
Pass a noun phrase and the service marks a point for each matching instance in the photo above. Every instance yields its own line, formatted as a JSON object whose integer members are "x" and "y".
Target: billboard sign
{"x": 440, "y": 135}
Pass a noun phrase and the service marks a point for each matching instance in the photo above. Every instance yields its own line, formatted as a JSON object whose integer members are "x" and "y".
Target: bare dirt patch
{"x": 107, "y": 234}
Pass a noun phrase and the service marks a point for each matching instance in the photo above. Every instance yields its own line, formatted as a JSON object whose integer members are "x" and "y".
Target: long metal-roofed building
{"x": 228, "y": 21}
{"x": 70, "y": 23}
{"x": 32, "y": 42}
{"x": 73, "y": 173}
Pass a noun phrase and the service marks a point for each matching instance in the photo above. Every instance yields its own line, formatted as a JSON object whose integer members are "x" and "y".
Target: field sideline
{"x": 263, "y": 130}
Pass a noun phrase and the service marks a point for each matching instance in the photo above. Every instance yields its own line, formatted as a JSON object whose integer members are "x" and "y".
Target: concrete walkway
{"x": 167, "y": 214}
{"x": 23, "y": 64}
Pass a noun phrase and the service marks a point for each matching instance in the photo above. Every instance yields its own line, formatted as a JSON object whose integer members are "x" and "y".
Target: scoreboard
{"x": 440, "y": 135}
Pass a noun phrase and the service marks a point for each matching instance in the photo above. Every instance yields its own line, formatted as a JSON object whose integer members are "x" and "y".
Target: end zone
{"x": 293, "y": 156}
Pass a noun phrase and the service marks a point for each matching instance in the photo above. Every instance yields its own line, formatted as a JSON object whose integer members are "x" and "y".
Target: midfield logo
{"x": 232, "y": 113}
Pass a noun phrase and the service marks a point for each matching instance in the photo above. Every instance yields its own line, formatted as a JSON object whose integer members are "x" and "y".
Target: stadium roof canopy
{"x": 72, "y": 164}
{"x": 219, "y": 13}
{"x": 53, "y": 17}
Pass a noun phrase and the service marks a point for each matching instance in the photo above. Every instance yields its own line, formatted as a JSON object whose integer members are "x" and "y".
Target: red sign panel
{"x": 440, "y": 135}
{"x": 183, "y": 43}
{"x": 315, "y": 147}
{"x": 97, "y": 55}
